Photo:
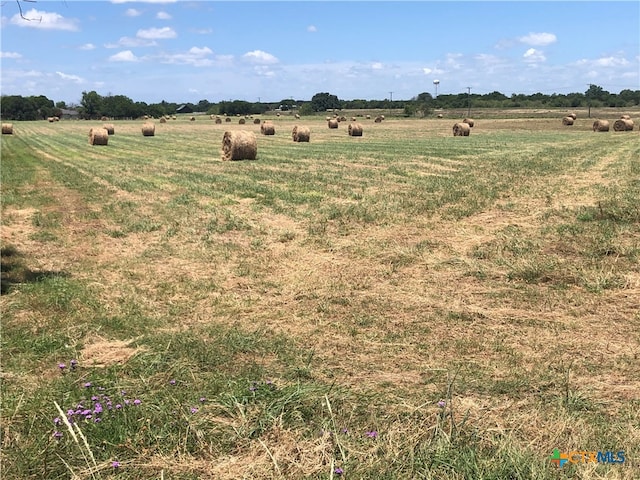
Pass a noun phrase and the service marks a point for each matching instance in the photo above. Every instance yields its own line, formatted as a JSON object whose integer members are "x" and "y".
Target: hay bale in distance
{"x": 242, "y": 121}
{"x": 567, "y": 121}
{"x": 440, "y": 115}
{"x": 469, "y": 121}
{"x": 379, "y": 119}
{"x": 601, "y": 126}
{"x": 301, "y": 134}
{"x": 218, "y": 121}
{"x": 239, "y": 145}
{"x": 148, "y": 129}
{"x": 227, "y": 119}
{"x": 267, "y": 128}
{"x": 626, "y": 117}
{"x": 110, "y": 128}
{"x": 623, "y": 125}
{"x": 333, "y": 123}
{"x": 572, "y": 115}
{"x": 297, "y": 116}
{"x": 461, "y": 129}
{"x": 256, "y": 121}
{"x": 163, "y": 120}
{"x": 98, "y": 136}
{"x": 355, "y": 130}
{"x": 7, "y": 129}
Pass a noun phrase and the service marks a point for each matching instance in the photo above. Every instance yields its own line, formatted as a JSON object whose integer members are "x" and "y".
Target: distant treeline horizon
{"x": 94, "y": 105}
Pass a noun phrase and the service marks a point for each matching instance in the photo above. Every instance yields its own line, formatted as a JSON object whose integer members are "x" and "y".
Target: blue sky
{"x": 186, "y": 51}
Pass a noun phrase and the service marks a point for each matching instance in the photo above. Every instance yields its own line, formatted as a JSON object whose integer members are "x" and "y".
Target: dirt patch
{"x": 100, "y": 352}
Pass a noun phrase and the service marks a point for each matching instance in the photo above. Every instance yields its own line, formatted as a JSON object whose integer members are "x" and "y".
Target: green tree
{"x": 16, "y": 107}
{"x": 91, "y": 104}
{"x": 321, "y": 102}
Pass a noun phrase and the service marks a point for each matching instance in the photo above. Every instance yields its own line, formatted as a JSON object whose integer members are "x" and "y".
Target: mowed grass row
{"x": 402, "y": 305}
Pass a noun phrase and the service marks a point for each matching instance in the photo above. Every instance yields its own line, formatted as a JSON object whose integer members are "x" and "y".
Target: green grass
{"x": 307, "y": 311}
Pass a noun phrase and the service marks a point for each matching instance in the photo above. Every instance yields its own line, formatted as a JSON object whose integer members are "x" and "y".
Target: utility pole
{"x": 589, "y": 100}
{"x": 468, "y": 101}
{"x": 390, "y": 101}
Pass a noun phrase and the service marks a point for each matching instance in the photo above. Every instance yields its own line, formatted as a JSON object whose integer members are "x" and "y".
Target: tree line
{"x": 94, "y": 105}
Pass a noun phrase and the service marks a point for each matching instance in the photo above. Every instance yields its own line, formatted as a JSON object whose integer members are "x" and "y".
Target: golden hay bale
{"x": 353, "y": 119}
{"x": 368, "y": 117}
{"x": 601, "y": 126}
{"x": 218, "y": 121}
{"x": 379, "y": 119}
{"x": 440, "y": 115}
{"x": 297, "y": 116}
{"x": 242, "y": 121}
{"x": 256, "y": 121}
{"x": 355, "y": 130}
{"x": 50, "y": 120}
{"x": 192, "y": 119}
{"x": 110, "y": 128}
{"x": 149, "y": 129}
{"x": 239, "y": 145}
{"x": 622, "y": 125}
{"x": 342, "y": 119}
{"x": 227, "y": 119}
{"x": 267, "y": 128}
{"x": 7, "y": 129}
{"x": 98, "y": 136}
{"x": 163, "y": 120}
{"x": 567, "y": 121}
{"x": 104, "y": 119}
{"x": 327, "y": 118}
{"x": 626, "y": 117}
{"x": 461, "y": 129}
{"x": 572, "y": 115}
{"x": 333, "y": 123}
{"x": 301, "y": 134}
{"x": 469, "y": 121}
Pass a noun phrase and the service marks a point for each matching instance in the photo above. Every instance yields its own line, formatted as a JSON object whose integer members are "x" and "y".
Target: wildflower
{"x": 137, "y": 401}
{"x": 372, "y": 434}
{"x": 194, "y": 410}
{"x": 123, "y": 393}
{"x": 57, "y": 435}
{"x": 97, "y": 408}
{"x": 338, "y": 471}
{"x": 442, "y": 403}
{"x": 118, "y": 406}
{"x": 172, "y": 382}
{"x": 345, "y": 430}
{"x": 74, "y": 364}
{"x": 97, "y": 420}
{"x": 56, "y": 421}
{"x": 87, "y": 385}
{"x": 127, "y": 401}
{"x": 203, "y": 399}
{"x": 62, "y": 366}
{"x": 115, "y": 464}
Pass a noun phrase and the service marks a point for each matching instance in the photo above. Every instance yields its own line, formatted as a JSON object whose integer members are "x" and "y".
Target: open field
{"x": 402, "y": 305}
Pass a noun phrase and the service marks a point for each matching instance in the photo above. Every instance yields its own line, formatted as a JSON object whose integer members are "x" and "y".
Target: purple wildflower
{"x": 56, "y": 421}
{"x": 97, "y": 420}
{"x": 115, "y": 464}
{"x": 62, "y": 366}
{"x": 118, "y": 406}
{"x": 74, "y": 364}
{"x": 345, "y": 430}
{"x": 87, "y": 385}
{"x": 137, "y": 401}
{"x": 442, "y": 404}
{"x": 172, "y": 382}
{"x": 97, "y": 408}
{"x": 338, "y": 471}
{"x": 194, "y": 410}
{"x": 372, "y": 434}
{"x": 203, "y": 399}
{"x": 57, "y": 435}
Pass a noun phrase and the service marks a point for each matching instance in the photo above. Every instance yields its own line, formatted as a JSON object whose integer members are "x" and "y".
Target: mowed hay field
{"x": 404, "y": 304}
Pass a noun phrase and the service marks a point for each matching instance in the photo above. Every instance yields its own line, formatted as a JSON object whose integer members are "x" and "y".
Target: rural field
{"x": 402, "y": 305}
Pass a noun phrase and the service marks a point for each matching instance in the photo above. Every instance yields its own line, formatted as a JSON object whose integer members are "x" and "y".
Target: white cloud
{"x": 45, "y": 21}
{"x": 124, "y": 56}
{"x": 163, "y": 16}
{"x": 156, "y": 33}
{"x": 72, "y": 78}
{"x": 312, "y": 28}
{"x": 198, "y": 57}
{"x": 129, "y": 42}
{"x": 534, "y": 56}
{"x": 426, "y": 71}
{"x": 258, "y": 56}
{"x": 202, "y": 31}
{"x": 132, "y": 12}
{"x": 538, "y": 39}
{"x": 611, "y": 62}
{"x": 87, "y": 46}
{"x": 10, "y": 55}
{"x": 377, "y": 66}
{"x": 144, "y": 1}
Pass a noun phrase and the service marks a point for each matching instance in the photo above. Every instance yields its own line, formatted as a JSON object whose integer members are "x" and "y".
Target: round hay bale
{"x": 242, "y": 121}
{"x": 149, "y": 129}
{"x": 7, "y": 129}
{"x": 98, "y": 136}
{"x": 379, "y": 119}
{"x": 342, "y": 119}
{"x": 218, "y": 121}
{"x": 301, "y": 134}
{"x": 227, "y": 119}
{"x": 239, "y": 145}
{"x": 173, "y": 117}
{"x": 622, "y": 125}
{"x": 110, "y": 128}
{"x": 626, "y": 117}
{"x": 601, "y": 126}
{"x": 327, "y": 118}
{"x": 461, "y": 129}
{"x": 333, "y": 123}
{"x": 469, "y": 121}
{"x": 440, "y": 115}
{"x": 353, "y": 119}
{"x": 104, "y": 119}
{"x": 572, "y": 115}
{"x": 267, "y": 128}
{"x": 297, "y": 116}
{"x": 355, "y": 130}
{"x": 50, "y": 119}
{"x": 192, "y": 119}
{"x": 256, "y": 121}
{"x": 163, "y": 120}
{"x": 567, "y": 121}
{"x": 368, "y": 117}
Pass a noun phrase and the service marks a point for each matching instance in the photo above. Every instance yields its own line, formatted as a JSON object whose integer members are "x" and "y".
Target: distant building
{"x": 68, "y": 114}
{"x": 184, "y": 109}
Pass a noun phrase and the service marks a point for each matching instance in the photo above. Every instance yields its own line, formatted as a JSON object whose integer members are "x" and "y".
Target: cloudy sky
{"x": 186, "y": 51}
